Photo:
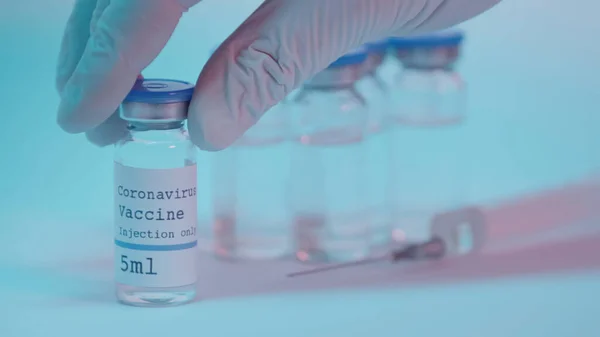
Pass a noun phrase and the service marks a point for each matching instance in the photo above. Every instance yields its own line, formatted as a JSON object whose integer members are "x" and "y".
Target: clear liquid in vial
{"x": 377, "y": 174}
{"x": 251, "y": 220}
{"x": 156, "y": 149}
{"x": 377, "y": 147}
{"x": 330, "y": 222}
{"x": 429, "y": 175}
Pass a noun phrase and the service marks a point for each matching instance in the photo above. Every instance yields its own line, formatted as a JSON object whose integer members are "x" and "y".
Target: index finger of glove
{"x": 126, "y": 38}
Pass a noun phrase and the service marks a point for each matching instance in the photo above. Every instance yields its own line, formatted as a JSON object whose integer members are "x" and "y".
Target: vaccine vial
{"x": 251, "y": 218}
{"x": 155, "y": 197}
{"x": 377, "y": 146}
{"x": 429, "y": 162}
{"x": 428, "y": 90}
{"x": 326, "y": 186}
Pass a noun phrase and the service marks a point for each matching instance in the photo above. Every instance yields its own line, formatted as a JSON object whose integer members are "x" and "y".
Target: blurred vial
{"x": 251, "y": 216}
{"x": 155, "y": 197}
{"x": 327, "y": 189}
{"x": 429, "y": 170}
{"x": 377, "y": 146}
{"x": 428, "y": 90}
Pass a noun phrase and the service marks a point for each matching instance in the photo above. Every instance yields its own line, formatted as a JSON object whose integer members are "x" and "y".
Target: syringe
{"x": 430, "y": 250}
{"x": 453, "y": 233}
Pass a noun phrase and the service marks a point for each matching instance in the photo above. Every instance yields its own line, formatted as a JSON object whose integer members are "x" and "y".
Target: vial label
{"x": 155, "y": 226}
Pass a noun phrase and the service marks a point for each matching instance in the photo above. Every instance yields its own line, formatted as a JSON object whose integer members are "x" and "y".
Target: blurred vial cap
{"x": 355, "y": 57}
{"x": 432, "y": 51}
{"x": 444, "y": 38}
{"x": 378, "y": 47}
{"x": 344, "y": 71}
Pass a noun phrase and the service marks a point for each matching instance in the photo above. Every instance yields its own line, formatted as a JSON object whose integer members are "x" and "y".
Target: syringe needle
{"x": 433, "y": 249}
{"x": 339, "y": 266}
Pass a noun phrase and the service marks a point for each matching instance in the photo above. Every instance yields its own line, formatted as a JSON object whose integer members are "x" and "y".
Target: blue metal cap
{"x": 160, "y": 91}
{"x": 356, "y": 56}
{"x": 377, "y": 47}
{"x": 445, "y": 38}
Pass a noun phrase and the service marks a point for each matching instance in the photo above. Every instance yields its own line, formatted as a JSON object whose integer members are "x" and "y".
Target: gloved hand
{"x": 107, "y": 43}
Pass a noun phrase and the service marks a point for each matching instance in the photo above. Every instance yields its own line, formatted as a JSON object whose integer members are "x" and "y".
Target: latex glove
{"x": 107, "y": 43}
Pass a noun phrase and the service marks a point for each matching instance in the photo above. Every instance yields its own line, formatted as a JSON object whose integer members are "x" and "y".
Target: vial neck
{"x": 155, "y": 126}
{"x": 428, "y": 67}
{"x": 329, "y": 87}
{"x": 341, "y": 77}
{"x": 440, "y": 58}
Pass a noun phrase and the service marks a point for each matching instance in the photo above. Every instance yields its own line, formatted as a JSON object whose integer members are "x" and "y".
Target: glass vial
{"x": 251, "y": 216}
{"x": 326, "y": 186}
{"x": 429, "y": 171}
{"x": 155, "y": 197}
{"x": 428, "y": 90}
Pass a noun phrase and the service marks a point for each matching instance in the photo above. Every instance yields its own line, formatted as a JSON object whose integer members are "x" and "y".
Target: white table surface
{"x": 537, "y": 280}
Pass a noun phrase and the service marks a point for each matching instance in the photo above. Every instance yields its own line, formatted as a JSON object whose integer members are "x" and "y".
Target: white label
{"x": 155, "y": 226}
